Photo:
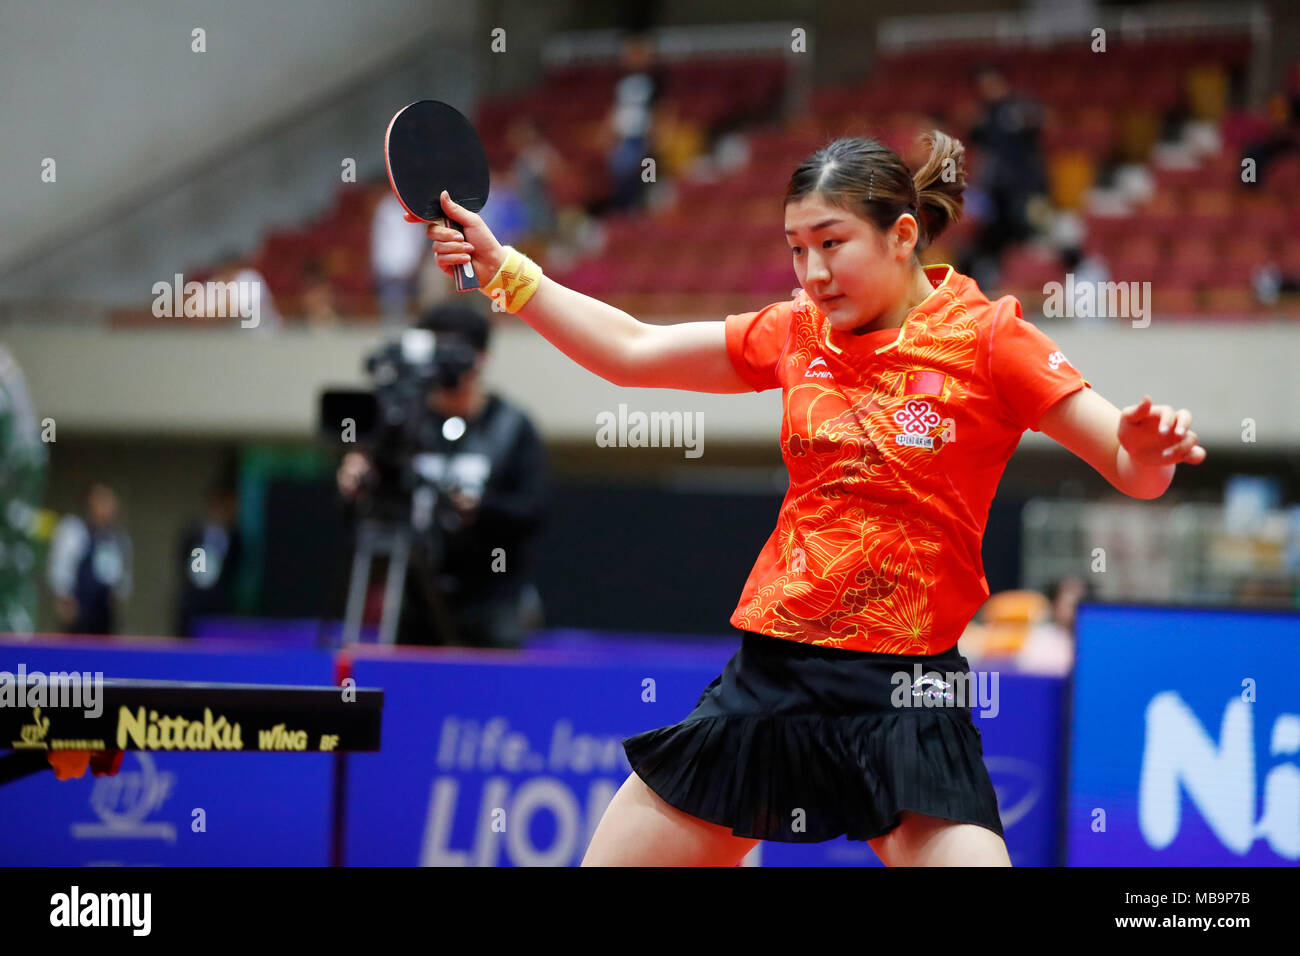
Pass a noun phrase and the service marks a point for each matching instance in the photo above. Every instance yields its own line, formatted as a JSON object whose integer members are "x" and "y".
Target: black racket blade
{"x": 430, "y": 146}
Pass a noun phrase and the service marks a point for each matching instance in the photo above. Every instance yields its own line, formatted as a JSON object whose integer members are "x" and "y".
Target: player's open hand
{"x": 1158, "y": 435}
{"x": 476, "y": 244}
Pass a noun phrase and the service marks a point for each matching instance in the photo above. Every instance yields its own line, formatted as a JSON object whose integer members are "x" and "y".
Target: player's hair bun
{"x": 940, "y": 183}
{"x": 870, "y": 179}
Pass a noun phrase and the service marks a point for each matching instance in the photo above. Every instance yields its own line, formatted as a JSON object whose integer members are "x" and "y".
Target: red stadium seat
{"x": 1281, "y": 177}
{"x": 1136, "y": 259}
{"x": 1029, "y": 266}
{"x": 1288, "y": 258}
{"x": 1106, "y": 230}
{"x": 1165, "y": 215}
{"x": 1169, "y": 299}
{"x": 1224, "y": 301}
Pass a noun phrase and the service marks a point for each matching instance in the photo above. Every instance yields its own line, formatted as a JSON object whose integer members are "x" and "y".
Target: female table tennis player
{"x": 905, "y": 391}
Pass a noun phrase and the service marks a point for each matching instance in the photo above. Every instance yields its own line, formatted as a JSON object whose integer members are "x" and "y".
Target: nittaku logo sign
{"x": 1179, "y": 756}
{"x": 156, "y": 732}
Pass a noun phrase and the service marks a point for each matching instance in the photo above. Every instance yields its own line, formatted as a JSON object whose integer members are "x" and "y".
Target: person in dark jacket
{"x": 481, "y": 494}
{"x": 210, "y": 554}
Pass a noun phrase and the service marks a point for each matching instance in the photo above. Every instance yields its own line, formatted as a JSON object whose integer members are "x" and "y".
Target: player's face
{"x": 852, "y": 271}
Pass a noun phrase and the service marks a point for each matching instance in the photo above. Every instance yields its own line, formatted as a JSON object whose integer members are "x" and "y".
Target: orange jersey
{"x": 895, "y": 441}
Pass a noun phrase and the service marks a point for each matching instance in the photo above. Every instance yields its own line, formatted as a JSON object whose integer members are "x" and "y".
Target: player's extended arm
{"x": 1135, "y": 449}
{"x": 600, "y": 338}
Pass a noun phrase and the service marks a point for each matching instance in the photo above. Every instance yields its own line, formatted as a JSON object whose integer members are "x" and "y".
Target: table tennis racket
{"x": 429, "y": 147}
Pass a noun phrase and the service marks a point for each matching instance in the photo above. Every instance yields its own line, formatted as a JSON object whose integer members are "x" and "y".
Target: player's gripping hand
{"x": 476, "y": 245}
{"x": 1158, "y": 435}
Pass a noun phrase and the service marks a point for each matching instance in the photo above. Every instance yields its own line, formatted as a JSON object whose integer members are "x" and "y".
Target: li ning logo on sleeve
{"x": 817, "y": 369}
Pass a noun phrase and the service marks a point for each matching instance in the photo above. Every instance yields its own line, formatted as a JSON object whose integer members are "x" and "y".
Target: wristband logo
{"x": 515, "y": 282}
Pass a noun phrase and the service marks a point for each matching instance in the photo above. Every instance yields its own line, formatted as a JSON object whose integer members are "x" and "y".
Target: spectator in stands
{"x": 90, "y": 565}
{"x": 536, "y": 163}
{"x": 1049, "y": 648}
{"x": 396, "y": 248}
{"x": 1011, "y": 172}
{"x": 1281, "y": 138}
{"x": 631, "y": 123}
{"x": 239, "y": 292}
{"x": 481, "y": 468}
{"x": 210, "y": 553}
{"x": 318, "y": 309}
{"x": 505, "y": 208}
{"x": 678, "y": 141}
{"x": 578, "y": 234}
{"x": 22, "y": 478}
{"x": 1089, "y": 269}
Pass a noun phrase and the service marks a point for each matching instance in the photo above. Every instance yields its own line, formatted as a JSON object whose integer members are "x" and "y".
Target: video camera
{"x": 385, "y": 421}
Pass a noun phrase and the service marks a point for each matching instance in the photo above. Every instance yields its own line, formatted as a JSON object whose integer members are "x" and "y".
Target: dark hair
{"x": 1054, "y": 588}
{"x": 871, "y": 180}
{"x": 459, "y": 320}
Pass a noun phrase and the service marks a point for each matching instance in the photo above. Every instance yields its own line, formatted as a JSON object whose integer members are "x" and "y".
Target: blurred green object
{"x": 258, "y": 466}
{"x": 24, "y": 528}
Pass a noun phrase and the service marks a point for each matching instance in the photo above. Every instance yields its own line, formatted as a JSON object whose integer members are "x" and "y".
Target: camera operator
{"x": 479, "y": 474}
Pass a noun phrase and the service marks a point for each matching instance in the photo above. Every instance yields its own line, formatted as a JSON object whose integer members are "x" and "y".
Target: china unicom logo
{"x": 1219, "y": 780}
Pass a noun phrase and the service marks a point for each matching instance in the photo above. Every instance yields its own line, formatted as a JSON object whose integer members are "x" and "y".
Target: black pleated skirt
{"x": 799, "y": 744}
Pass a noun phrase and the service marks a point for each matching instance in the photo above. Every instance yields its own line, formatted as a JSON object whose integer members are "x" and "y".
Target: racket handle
{"x": 466, "y": 280}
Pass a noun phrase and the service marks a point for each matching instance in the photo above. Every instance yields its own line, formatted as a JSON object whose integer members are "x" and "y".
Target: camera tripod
{"x": 377, "y": 537}
{"x": 396, "y": 541}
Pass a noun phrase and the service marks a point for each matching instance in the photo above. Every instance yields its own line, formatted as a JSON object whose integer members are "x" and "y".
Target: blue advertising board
{"x": 190, "y": 809}
{"x": 474, "y": 741}
{"x": 1185, "y": 738}
{"x": 489, "y": 758}
{"x": 499, "y": 759}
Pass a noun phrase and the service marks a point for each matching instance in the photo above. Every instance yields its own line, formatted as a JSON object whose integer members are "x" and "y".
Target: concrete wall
{"x": 215, "y": 384}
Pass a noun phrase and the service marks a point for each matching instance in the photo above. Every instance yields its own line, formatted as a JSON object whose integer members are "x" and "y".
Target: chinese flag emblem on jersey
{"x": 924, "y": 383}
